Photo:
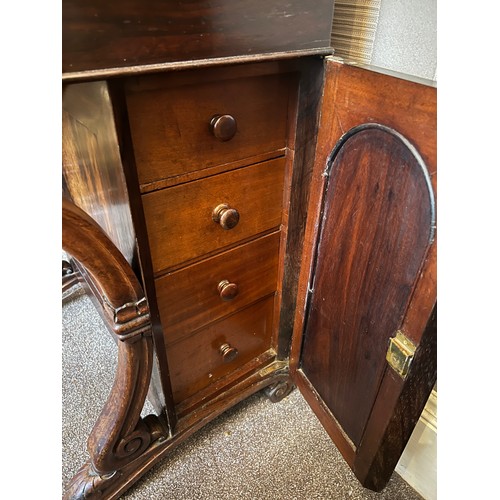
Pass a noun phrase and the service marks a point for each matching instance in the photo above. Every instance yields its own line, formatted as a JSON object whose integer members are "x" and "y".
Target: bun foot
{"x": 278, "y": 391}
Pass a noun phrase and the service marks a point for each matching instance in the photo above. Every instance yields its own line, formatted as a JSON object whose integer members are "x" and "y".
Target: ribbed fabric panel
{"x": 354, "y": 27}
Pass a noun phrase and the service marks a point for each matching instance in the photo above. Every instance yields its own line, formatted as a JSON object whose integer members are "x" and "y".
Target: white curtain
{"x": 354, "y": 27}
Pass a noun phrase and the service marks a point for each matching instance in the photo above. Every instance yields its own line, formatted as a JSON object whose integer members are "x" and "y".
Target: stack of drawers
{"x": 210, "y": 157}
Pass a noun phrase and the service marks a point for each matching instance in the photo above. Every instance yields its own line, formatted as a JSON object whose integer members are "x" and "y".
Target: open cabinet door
{"x": 364, "y": 345}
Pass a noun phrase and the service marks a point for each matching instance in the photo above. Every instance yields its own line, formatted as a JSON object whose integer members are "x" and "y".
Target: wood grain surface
{"x": 354, "y": 97}
{"x": 377, "y": 225}
{"x": 303, "y": 125}
{"x": 195, "y": 362}
{"x": 92, "y": 167}
{"x": 170, "y": 125}
{"x": 189, "y": 298}
{"x": 129, "y": 33}
{"x": 179, "y": 219}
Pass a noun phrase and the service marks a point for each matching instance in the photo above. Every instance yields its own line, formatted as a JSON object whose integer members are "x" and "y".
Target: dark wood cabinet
{"x": 247, "y": 212}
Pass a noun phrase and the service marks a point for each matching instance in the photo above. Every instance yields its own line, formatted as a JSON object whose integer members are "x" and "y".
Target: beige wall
{"x": 405, "y": 38}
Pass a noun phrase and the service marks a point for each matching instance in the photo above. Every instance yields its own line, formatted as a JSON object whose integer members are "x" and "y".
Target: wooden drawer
{"x": 171, "y": 126}
{"x": 179, "y": 219}
{"x": 191, "y": 297}
{"x": 196, "y": 362}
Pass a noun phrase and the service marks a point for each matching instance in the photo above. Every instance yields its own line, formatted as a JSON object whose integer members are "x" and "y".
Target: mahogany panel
{"x": 209, "y": 171}
{"x": 120, "y": 34}
{"x": 160, "y": 391}
{"x": 196, "y": 362}
{"x": 190, "y": 298}
{"x": 325, "y": 416}
{"x": 92, "y": 167}
{"x": 170, "y": 125}
{"x": 179, "y": 219}
{"x": 377, "y": 224}
{"x": 303, "y": 123}
{"x": 354, "y": 96}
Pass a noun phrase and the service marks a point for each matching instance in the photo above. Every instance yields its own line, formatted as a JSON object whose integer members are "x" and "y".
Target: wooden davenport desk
{"x": 247, "y": 212}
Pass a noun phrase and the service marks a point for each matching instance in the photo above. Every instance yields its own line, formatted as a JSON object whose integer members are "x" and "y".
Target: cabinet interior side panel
{"x": 92, "y": 168}
{"x": 376, "y": 228}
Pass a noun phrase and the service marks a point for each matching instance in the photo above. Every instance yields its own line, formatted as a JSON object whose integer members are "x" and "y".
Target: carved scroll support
{"x": 120, "y": 436}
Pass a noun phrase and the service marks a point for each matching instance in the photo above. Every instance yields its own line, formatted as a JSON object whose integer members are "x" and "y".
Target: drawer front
{"x": 180, "y": 220}
{"x": 197, "y": 361}
{"x": 171, "y": 127}
{"x": 199, "y": 294}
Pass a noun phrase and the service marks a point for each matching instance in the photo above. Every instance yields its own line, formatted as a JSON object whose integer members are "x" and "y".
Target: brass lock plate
{"x": 400, "y": 354}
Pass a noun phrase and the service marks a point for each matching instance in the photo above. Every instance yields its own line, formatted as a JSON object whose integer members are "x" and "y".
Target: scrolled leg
{"x": 120, "y": 440}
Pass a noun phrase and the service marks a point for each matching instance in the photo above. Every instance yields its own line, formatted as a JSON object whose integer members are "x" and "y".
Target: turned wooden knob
{"x": 226, "y": 216}
{"x": 223, "y": 127}
{"x": 227, "y": 290}
{"x": 228, "y": 353}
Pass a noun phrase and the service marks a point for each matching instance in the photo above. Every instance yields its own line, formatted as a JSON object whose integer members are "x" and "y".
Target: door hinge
{"x": 400, "y": 354}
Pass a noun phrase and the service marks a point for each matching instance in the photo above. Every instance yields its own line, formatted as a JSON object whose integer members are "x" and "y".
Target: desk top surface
{"x": 101, "y": 39}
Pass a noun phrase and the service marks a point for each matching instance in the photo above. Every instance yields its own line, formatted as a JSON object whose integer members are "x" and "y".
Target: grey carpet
{"x": 256, "y": 451}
